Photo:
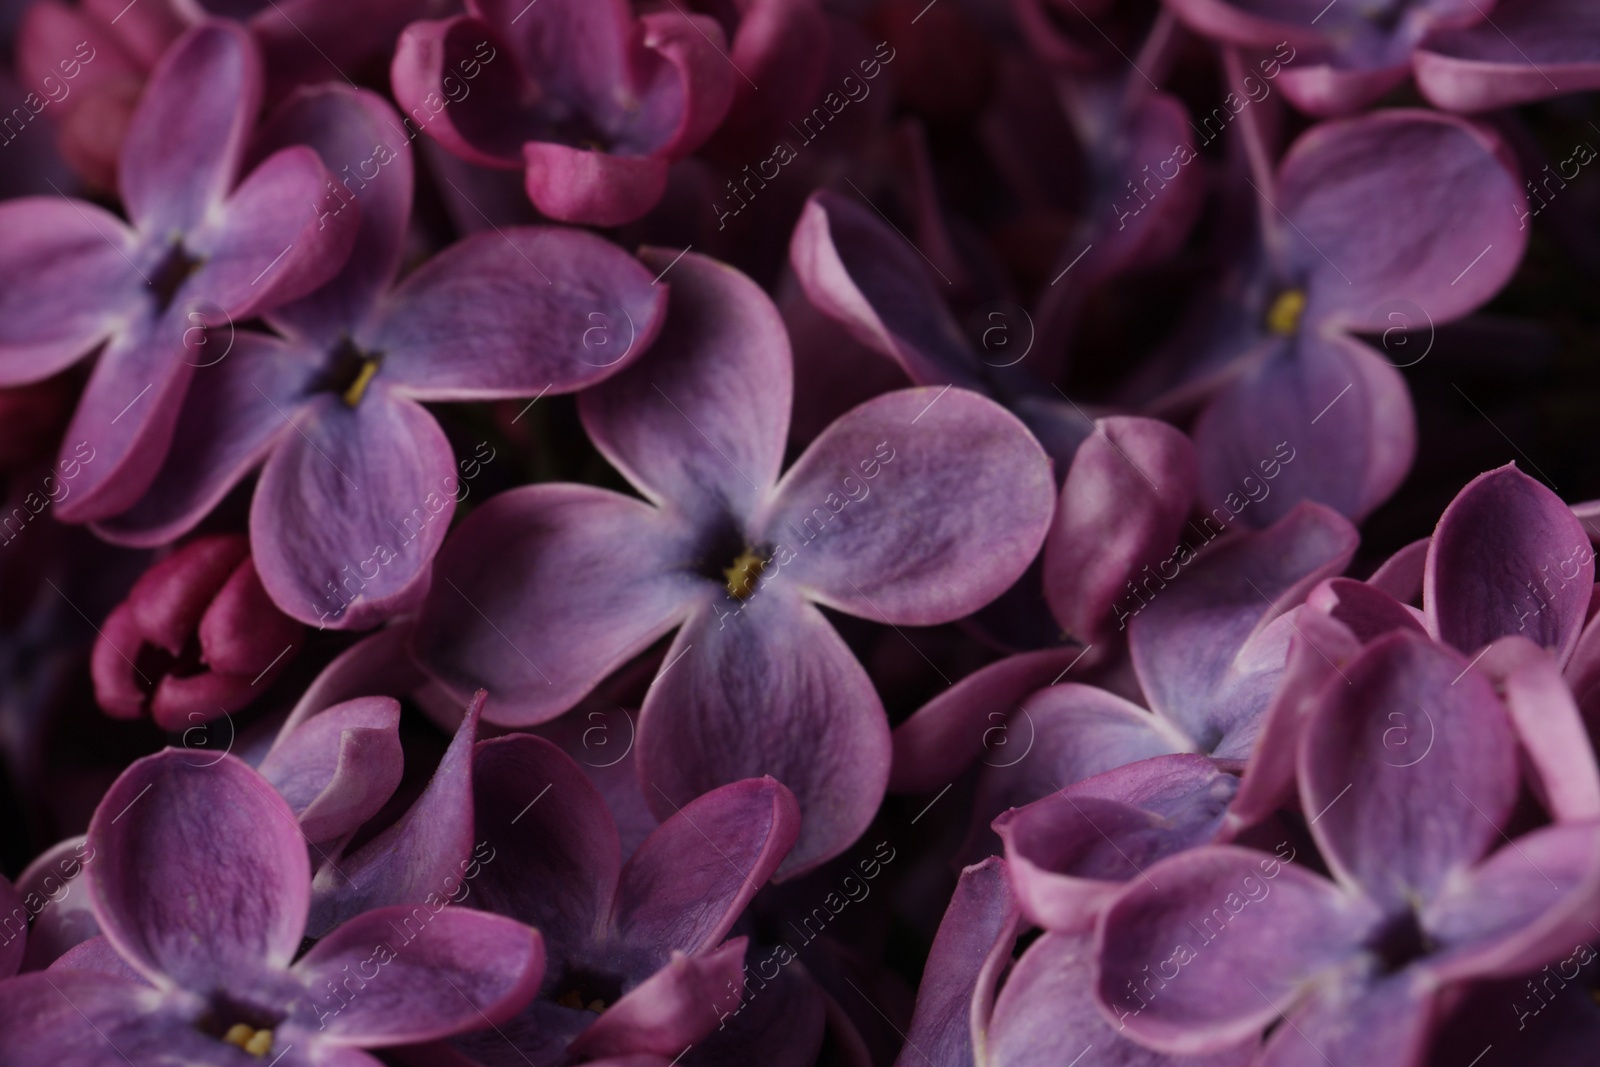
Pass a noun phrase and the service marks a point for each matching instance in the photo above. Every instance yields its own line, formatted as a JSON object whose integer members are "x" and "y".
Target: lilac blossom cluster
{"x": 976, "y": 448}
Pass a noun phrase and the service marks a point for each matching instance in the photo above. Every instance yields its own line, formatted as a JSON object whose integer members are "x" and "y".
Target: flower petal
{"x": 338, "y": 768}
{"x": 1498, "y": 564}
{"x": 1409, "y": 178}
{"x": 701, "y": 421}
{"x": 413, "y": 859}
{"x": 54, "y": 891}
{"x": 672, "y": 1009}
{"x": 1531, "y": 51}
{"x": 182, "y": 151}
{"x": 351, "y": 508}
{"x": 917, "y": 507}
{"x": 65, "y": 280}
{"x": 1122, "y": 506}
{"x": 1069, "y": 853}
{"x": 1553, "y": 736}
{"x": 517, "y": 312}
{"x": 237, "y": 408}
{"x": 948, "y": 733}
{"x": 95, "y": 1020}
{"x": 1213, "y": 916}
{"x": 200, "y": 876}
{"x": 973, "y": 943}
{"x": 579, "y": 577}
{"x": 439, "y": 971}
{"x": 739, "y": 701}
{"x": 591, "y": 188}
{"x": 553, "y": 859}
{"x": 1408, "y": 771}
{"x": 690, "y": 880}
{"x": 1342, "y": 412}
{"x": 1191, "y": 644}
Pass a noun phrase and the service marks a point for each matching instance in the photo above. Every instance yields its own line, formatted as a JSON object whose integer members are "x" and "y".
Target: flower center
{"x": 574, "y": 999}
{"x": 1399, "y": 942}
{"x": 256, "y": 1042}
{"x": 1283, "y": 318}
{"x": 741, "y": 577}
{"x": 169, "y": 276}
{"x": 351, "y": 371}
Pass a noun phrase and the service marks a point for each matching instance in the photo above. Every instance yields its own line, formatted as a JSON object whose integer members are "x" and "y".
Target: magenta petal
{"x": 868, "y": 279}
{"x": 411, "y": 861}
{"x": 1553, "y": 735}
{"x": 338, "y": 768}
{"x": 1172, "y": 949}
{"x": 701, "y": 76}
{"x": 181, "y": 155}
{"x": 376, "y": 664}
{"x": 1326, "y": 89}
{"x": 1069, "y": 853}
{"x": 1321, "y": 647}
{"x": 1365, "y": 609}
{"x": 1401, "y": 574}
{"x": 1047, "y": 1008}
{"x": 1527, "y": 904}
{"x": 948, "y": 733}
{"x": 673, "y": 1008}
{"x": 605, "y": 569}
{"x": 54, "y": 891}
{"x": 973, "y": 943}
{"x": 1407, "y": 768}
{"x": 238, "y": 406}
{"x": 56, "y": 251}
{"x": 351, "y": 508}
{"x": 1388, "y": 169}
{"x": 349, "y": 129}
{"x": 702, "y": 422}
{"x": 1122, "y": 506}
{"x": 690, "y": 880}
{"x": 1508, "y": 557}
{"x": 1531, "y": 51}
{"x": 731, "y": 706}
{"x": 517, "y": 312}
{"x": 589, "y": 187}
{"x": 1190, "y": 644}
{"x": 1333, "y": 406}
{"x": 200, "y": 875}
{"x": 918, "y": 507}
{"x": 88, "y": 1019}
{"x": 439, "y": 971}
{"x": 552, "y": 852}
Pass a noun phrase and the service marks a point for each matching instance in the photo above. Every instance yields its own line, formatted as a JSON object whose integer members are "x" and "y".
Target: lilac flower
{"x": 201, "y": 885}
{"x": 592, "y": 102}
{"x": 915, "y": 508}
{"x": 1364, "y": 231}
{"x": 1344, "y": 57}
{"x": 638, "y": 963}
{"x": 204, "y": 248}
{"x": 1045, "y": 1012}
{"x": 1531, "y": 50}
{"x": 1210, "y": 649}
{"x": 196, "y": 638}
{"x": 1420, "y": 894}
{"x": 359, "y": 484}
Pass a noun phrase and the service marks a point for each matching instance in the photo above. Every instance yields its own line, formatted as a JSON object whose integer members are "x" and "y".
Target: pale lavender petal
{"x": 200, "y": 876}
{"x": 690, "y": 880}
{"x": 1555, "y": 740}
{"x": 918, "y": 507}
{"x": 338, "y": 768}
{"x": 55, "y": 893}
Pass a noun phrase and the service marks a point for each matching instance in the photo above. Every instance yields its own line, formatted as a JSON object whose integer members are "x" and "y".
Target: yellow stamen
{"x": 570, "y": 999}
{"x": 243, "y": 1035}
{"x": 597, "y": 1005}
{"x": 358, "y": 388}
{"x": 743, "y": 574}
{"x": 1284, "y": 317}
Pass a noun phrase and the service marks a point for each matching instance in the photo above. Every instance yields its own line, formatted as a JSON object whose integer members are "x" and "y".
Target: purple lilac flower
{"x": 917, "y": 507}
{"x": 209, "y": 242}
{"x": 202, "y": 886}
{"x": 638, "y": 956}
{"x": 358, "y": 483}
{"x": 196, "y": 638}
{"x": 1367, "y": 225}
{"x": 1420, "y": 893}
{"x": 590, "y": 101}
